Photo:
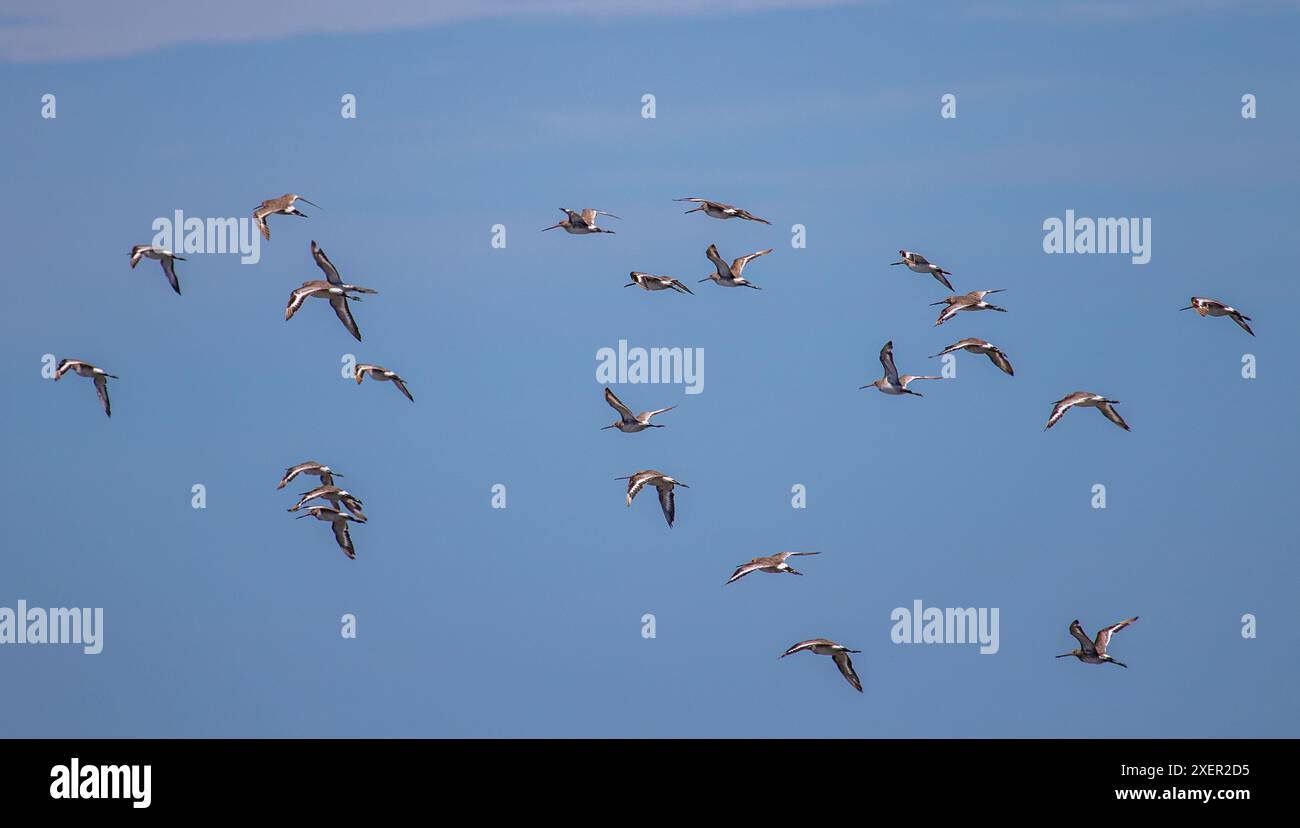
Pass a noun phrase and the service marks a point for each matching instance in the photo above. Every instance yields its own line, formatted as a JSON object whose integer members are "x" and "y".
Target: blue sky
{"x": 526, "y": 621}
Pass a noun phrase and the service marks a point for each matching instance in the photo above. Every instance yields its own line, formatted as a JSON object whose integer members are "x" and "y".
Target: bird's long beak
{"x": 1065, "y": 655}
{"x": 317, "y": 206}
{"x": 630, "y": 284}
{"x": 891, "y": 264}
{"x": 611, "y": 426}
{"x": 552, "y": 227}
{"x": 1189, "y": 307}
{"x": 705, "y": 279}
{"x": 300, "y": 517}
{"x": 941, "y": 302}
{"x": 683, "y": 485}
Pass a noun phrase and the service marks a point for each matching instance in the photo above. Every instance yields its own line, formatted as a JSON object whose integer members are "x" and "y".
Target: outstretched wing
{"x": 668, "y": 504}
{"x": 344, "y": 313}
{"x": 259, "y": 218}
{"x": 401, "y": 386}
{"x": 296, "y": 299}
{"x": 1241, "y": 320}
{"x": 952, "y": 309}
{"x": 1000, "y": 359}
{"x": 637, "y": 482}
{"x": 169, "y": 268}
{"x": 344, "y": 538}
{"x": 1113, "y": 415}
{"x": 718, "y": 261}
{"x": 781, "y": 556}
{"x": 738, "y": 265}
{"x": 101, "y": 388}
{"x": 1103, "y": 636}
{"x": 623, "y": 411}
{"x": 845, "y": 664}
{"x": 887, "y": 360}
{"x": 1063, "y": 405}
{"x": 745, "y": 569}
{"x": 324, "y": 263}
{"x": 745, "y": 214}
{"x": 1084, "y": 641}
{"x": 805, "y": 645}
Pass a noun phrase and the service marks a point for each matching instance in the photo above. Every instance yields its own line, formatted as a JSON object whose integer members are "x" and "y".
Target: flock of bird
{"x": 344, "y": 508}
{"x": 339, "y": 499}
{"x": 583, "y": 222}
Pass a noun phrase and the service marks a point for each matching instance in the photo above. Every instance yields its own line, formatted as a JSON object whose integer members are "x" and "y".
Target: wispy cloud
{"x": 51, "y": 30}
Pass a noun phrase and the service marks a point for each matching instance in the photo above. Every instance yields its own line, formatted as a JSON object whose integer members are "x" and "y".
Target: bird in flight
{"x": 729, "y": 275}
{"x": 1212, "y": 307}
{"x": 333, "y": 288}
{"x": 838, "y": 652}
{"x": 335, "y": 496}
{"x": 581, "y": 223}
{"x": 382, "y": 374}
{"x": 718, "y": 210}
{"x": 1094, "y": 652}
{"x": 919, "y": 264}
{"x": 278, "y": 206}
{"x": 98, "y": 375}
{"x": 770, "y": 563}
{"x": 891, "y": 383}
{"x": 981, "y": 346}
{"x": 1087, "y": 399}
{"x": 650, "y": 282}
{"x": 167, "y": 258}
{"x": 972, "y": 301}
{"x": 339, "y": 523}
{"x": 660, "y": 481}
{"x": 630, "y": 423}
{"x": 325, "y": 473}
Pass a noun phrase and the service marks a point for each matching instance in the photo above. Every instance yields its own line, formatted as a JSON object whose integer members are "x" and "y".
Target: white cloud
{"x": 50, "y": 30}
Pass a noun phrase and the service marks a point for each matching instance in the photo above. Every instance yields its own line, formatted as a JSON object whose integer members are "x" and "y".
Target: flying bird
{"x": 339, "y": 523}
{"x": 981, "y": 346}
{"x": 972, "y": 301}
{"x": 163, "y": 255}
{"x": 382, "y": 374}
{"x": 333, "y": 288}
{"x": 277, "y": 206}
{"x": 891, "y": 383}
{"x": 718, "y": 210}
{"x": 581, "y": 223}
{"x": 729, "y": 275}
{"x": 98, "y": 375}
{"x": 1086, "y": 399}
{"x": 335, "y": 496}
{"x": 1094, "y": 652}
{"x": 1212, "y": 307}
{"x": 919, "y": 264}
{"x": 325, "y": 473}
{"x": 838, "y": 652}
{"x": 770, "y": 563}
{"x": 649, "y": 281}
{"x": 660, "y": 481}
{"x": 630, "y": 423}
